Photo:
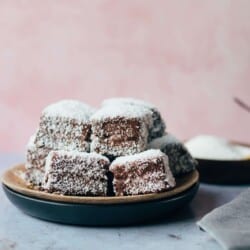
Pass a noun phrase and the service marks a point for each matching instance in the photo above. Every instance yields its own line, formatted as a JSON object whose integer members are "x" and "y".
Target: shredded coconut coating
{"x": 146, "y": 172}
{"x": 127, "y": 100}
{"x": 120, "y": 130}
{"x": 35, "y": 162}
{"x": 76, "y": 173}
{"x": 143, "y": 156}
{"x": 121, "y": 110}
{"x": 156, "y": 127}
{"x": 71, "y": 109}
{"x": 65, "y": 125}
{"x": 180, "y": 160}
{"x": 34, "y": 176}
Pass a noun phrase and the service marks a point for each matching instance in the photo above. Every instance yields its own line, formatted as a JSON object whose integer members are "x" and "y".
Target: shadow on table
{"x": 203, "y": 203}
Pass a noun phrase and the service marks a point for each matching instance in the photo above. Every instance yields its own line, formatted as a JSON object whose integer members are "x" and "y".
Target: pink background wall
{"x": 190, "y": 58}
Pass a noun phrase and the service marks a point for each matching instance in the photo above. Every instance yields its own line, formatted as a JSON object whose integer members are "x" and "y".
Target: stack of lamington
{"x": 75, "y": 147}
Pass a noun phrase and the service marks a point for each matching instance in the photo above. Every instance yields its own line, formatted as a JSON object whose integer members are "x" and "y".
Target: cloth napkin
{"x": 229, "y": 224}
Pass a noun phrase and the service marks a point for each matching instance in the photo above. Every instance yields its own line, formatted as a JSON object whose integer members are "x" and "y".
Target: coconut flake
{"x": 127, "y": 100}
{"x": 69, "y": 109}
{"x": 212, "y": 147}
{"x": 121, "y": 110}
{"x": 162, "y": 141}
{"x": 74, "y": 153}
{"x": 145, "y": 155}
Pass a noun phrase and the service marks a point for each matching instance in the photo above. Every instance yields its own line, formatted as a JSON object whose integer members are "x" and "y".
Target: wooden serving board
{"x": 12, "y": 178}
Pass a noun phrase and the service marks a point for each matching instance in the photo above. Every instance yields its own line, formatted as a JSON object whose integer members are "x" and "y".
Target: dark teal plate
{"x": 100, "y": 214}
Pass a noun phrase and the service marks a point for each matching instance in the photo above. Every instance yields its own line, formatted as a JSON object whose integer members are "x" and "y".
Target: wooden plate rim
{"x": 11, "y": 178}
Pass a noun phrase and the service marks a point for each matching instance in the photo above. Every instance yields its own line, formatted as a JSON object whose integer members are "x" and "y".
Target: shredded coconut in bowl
{"x": 216, "y": 148}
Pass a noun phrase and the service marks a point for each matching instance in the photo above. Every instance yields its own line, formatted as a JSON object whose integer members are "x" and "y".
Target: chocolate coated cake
{"x": 35, "y": 162}
{"x": 76, "y": 173}
{"x": 143, "y": 173}
{"x": 180, "y": 160}
{"x": 120, "y": 130}
{"x": 156, "y": 128}
{"x": 65, "y": 125}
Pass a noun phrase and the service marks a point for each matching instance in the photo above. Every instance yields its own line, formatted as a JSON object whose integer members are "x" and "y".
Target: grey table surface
{"x": 20, "y": 231}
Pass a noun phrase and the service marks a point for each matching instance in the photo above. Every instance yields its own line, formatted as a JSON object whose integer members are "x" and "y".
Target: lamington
{"x": 76, "y": 173}
{"x": 120, "y": 130}
{"x": 35, "y": 162}
{"x": 157, "y": 128}
{"x": 180, "y": 160}
{"x": 65, "y": 125}
{"x": 143, "y": 173}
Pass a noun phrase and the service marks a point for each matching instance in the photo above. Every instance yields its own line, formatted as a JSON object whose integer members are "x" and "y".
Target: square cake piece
{"x": 180, "y": 160}
{"x": 156, "y": 128}
{"x": 65, "y": 125}
{"x": 76, "y": 173}
{"x": 35, "y": 162}
{"x": 143, "y": 173}
{"x": 120, "y": 130}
